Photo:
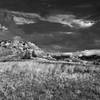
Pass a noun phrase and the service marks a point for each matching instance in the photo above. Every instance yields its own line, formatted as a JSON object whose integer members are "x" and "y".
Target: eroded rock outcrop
{"x": 20, "y": 49}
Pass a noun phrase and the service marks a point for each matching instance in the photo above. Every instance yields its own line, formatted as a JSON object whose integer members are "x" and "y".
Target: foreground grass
{"x": 67, "y": 82}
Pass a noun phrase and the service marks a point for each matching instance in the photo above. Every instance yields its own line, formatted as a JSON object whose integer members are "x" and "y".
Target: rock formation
{"x": 20, "y": 49}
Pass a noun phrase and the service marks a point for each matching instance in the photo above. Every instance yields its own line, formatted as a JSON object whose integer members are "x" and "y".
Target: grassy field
{"x": 37, "y": 80}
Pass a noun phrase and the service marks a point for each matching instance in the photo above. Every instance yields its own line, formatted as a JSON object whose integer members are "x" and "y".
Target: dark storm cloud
{"x": 65, "y": 19}
{"x": 43, "y": 6}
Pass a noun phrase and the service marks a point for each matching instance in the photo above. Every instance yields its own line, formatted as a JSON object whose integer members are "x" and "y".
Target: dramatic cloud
{"x": 70, "y": 20}
{"x": 65, "y": 19}
{"x": 21, "y": 20}
{"x": 83, "y": 23}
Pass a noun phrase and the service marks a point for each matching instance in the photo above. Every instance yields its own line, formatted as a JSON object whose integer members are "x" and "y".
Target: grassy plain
{"x": 44, "y": 80}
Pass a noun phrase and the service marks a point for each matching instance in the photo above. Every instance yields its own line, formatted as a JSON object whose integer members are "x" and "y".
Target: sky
{"x": 45, "y": 5}
{"x": 57, "y": 25}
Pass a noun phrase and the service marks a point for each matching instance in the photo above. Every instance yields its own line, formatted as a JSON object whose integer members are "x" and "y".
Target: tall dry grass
{"x": 35, "y": 80}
